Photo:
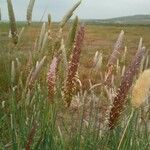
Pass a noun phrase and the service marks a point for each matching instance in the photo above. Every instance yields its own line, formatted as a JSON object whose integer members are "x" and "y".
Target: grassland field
{"x": 97, "y": 38}
{"x": 69, "y": 133}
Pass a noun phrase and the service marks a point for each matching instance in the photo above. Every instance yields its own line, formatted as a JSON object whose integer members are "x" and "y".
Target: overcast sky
{"x": 89, "y": 9}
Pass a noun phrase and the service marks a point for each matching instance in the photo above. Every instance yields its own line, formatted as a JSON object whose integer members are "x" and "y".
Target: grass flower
{"x": 41, "y": 37}
{"x": 117, "y": 50}
{"x": 29, "y": 11}
{"x": 125, "y": 85}
{"x": 36, "y": 72}
{"x": 64, "y": 56}
{"x": 13, "y": 26}
{"x": 51, "y": 78}
{"x": 141, "y": 89}
{"x": 69, "y": 14}
{"x": 71, "y": 36}
{"x": 73, "y": 66}
{"x": 114, "y": 57}
{"x": 44, "y": 41}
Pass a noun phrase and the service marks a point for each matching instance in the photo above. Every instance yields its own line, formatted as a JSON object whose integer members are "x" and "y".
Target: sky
{"x": 89, "y": 9}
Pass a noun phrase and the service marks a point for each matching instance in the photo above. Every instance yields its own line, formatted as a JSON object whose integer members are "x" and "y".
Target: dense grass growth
{"x": 72, "y": 89}
{"x": 30, "y": 120}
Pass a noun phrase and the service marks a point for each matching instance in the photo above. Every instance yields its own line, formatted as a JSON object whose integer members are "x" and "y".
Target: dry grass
{"x": 89, "y": 110}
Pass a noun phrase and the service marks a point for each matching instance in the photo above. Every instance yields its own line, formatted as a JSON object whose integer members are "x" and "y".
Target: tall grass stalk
{"x": 141, "y": 88}
{"x": 72, "y": 69}
{"x": 64, "y": 58}
{"x": 36, "y": 72}
{"x": 12, "y": 20}
{"x": 126, "y": 83}
{"x": 49, "y": 21}
{"x": 13, "y": 72}
{"x": 71, "y": 36}
{"x": 140, "y": 93}
{"x": 125, "y": 130}
{"x": 69, "y": 14}
{"x": 41, "y": 36}
{"x": 51, "y": 78}
{"x": 114, "y": 57}
{"x": 45, "y": 40}
{"x": 29, "y": 11}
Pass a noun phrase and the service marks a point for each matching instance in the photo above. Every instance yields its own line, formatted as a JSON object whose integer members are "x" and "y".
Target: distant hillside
{"x": 136, "y": 19}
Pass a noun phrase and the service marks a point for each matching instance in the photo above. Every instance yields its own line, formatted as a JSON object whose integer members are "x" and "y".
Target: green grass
{"x": 28, "y": 119}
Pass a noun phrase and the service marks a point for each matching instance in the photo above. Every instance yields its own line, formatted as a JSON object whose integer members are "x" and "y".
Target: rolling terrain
{"x": 136, "y": 19}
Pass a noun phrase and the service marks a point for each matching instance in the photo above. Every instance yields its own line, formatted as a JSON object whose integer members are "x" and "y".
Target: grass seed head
{"x": 41, "y": 36}
{"x": 51, "y": 78}
{"x": 71, "y": 36}
{"x": 117, "y": 50}
{"x": 73, "y": 66}
{"x": 44, "y": 41}
{"x": 13, "y": 26}
{"x": 125, "y": 85}
{"x": 36, "y": 72}
{"x": 29, "y": 11}
{"x": 69, "y": 14}
{"x": 141, "y": 88}
{"x": 114, "y": 57}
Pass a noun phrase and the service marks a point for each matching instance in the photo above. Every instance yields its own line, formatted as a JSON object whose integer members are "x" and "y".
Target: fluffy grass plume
{"x": 44, "y": 41}
{"x": 57, "y": 43}
{"x": 140, "y": 44}
{"x": 64, "y": 56}
{"x": 29, "y": 11}
{"x": 73, "y": 66}
{"x": 13, "y": 26}
{"x": 36, "y": 72}
{"x": 97, "y": 61}
{"x": 125, "y": 85}
{"x": 51, "y": 78}
{"x": 141, "y": 88}
{"x": 69, "y": 14}
{"x": 41, "y": 37}
{"x": 117, "y": 50}
{"x": 114, "y": 57}
{"x": 71, "y": 36}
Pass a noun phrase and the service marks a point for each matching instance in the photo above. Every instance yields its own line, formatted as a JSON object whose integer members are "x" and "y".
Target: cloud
{"x": 88, "y": 9}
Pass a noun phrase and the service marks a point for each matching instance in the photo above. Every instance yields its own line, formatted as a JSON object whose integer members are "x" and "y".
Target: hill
{"x": 136, "y": 19}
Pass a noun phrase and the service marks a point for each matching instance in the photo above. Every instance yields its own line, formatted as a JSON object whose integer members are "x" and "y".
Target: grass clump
{"x": 39, "y": 79}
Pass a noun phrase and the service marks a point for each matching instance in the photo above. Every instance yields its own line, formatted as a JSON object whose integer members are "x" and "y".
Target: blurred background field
{"x": 98, "y": 37}
{"x": 74, "y": 84}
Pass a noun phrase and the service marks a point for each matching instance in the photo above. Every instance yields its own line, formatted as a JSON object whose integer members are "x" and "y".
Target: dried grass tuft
{"x": 126, "y": 83}
{"x": 73, "y": 66}
{"x": 141, "y": 88}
